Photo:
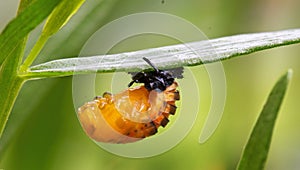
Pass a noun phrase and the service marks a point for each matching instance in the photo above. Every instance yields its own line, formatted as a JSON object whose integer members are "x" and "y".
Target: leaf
{"x": 169, "y": 56}
{"x": 25, "y": 22}
{"x": 10, "y": 83}
{"x": 23, "y": 5}
{"x": 60, "y": 15}
{"x": 256, "y": 151}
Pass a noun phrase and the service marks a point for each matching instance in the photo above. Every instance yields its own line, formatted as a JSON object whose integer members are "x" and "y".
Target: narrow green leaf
{"x": 10, "y": 83}
{"x": 256, "y": 151}
{"x": 60, "y": 15}
{"x": 169, "y": 56}
{"x": 26, "y": 21}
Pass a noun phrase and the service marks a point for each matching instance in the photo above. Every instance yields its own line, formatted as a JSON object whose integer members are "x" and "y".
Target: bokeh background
{"x": 43, "y": 131}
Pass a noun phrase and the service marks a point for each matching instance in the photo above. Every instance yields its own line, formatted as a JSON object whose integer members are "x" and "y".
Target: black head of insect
{"x": 153, "y": 80}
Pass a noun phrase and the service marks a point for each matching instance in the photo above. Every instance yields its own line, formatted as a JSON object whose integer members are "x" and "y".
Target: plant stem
{"x": 10, "y": 85}
{"x": 33, "y": 54}
{"x": 10, "y": 95}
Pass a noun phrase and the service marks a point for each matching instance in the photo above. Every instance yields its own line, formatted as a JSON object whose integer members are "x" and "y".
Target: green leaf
{"x": 24, "y": 4}
{"x": 60, "y": 15}
{"x": 256, "y": 151}
{"x": 25, "y": 22}
{"x": 10, "y": 83}
{"x": 207, "y": 51}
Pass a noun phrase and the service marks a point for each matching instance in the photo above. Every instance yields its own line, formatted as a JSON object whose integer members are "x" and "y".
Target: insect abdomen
{"x": 129, "y": 116}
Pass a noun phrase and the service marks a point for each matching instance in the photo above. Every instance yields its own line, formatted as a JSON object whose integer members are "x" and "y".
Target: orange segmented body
{"x": 129, "y": 116}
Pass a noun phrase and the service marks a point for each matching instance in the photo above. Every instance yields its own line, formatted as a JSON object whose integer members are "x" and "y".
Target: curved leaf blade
{"x": 25, "y": 22}
{"x": 218, "y": 49}
{"x": 257, "y": 148}
{"x": 60, "y": 15}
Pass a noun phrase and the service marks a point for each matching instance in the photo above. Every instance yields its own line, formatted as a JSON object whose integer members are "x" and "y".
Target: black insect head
{"x": 153, "y": 80}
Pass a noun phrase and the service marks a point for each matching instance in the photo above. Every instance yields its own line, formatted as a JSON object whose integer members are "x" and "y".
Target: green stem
{"x": 10, "y": 85}
{"x": 33, "y": 54}
{"x": 7, "y": 105}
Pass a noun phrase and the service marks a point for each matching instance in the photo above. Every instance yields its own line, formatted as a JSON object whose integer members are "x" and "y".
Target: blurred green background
{"x": 43, "y": 131}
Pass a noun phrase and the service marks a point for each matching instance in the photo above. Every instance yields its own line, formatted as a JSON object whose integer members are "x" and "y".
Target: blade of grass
{"x": 206, "y": 52}
{"x": 60, "y": 15}
{"x": 257, "y": 148}
{"x": 20, "y": 26}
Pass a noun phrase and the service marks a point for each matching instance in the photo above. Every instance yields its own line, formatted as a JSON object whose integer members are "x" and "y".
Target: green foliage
{"x": 10, "y": 83}
{"x": 13, "y": 40}
{"x": 61, "y": 14}
{"x": 257, "y": 148}
{"x": 25, "y": 22}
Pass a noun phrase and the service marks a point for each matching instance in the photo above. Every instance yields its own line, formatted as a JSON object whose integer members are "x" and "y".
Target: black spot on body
{"x": 164, "y": 122}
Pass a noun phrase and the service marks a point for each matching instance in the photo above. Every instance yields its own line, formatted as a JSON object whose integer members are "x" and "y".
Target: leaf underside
{"x": 189, "y": 54}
